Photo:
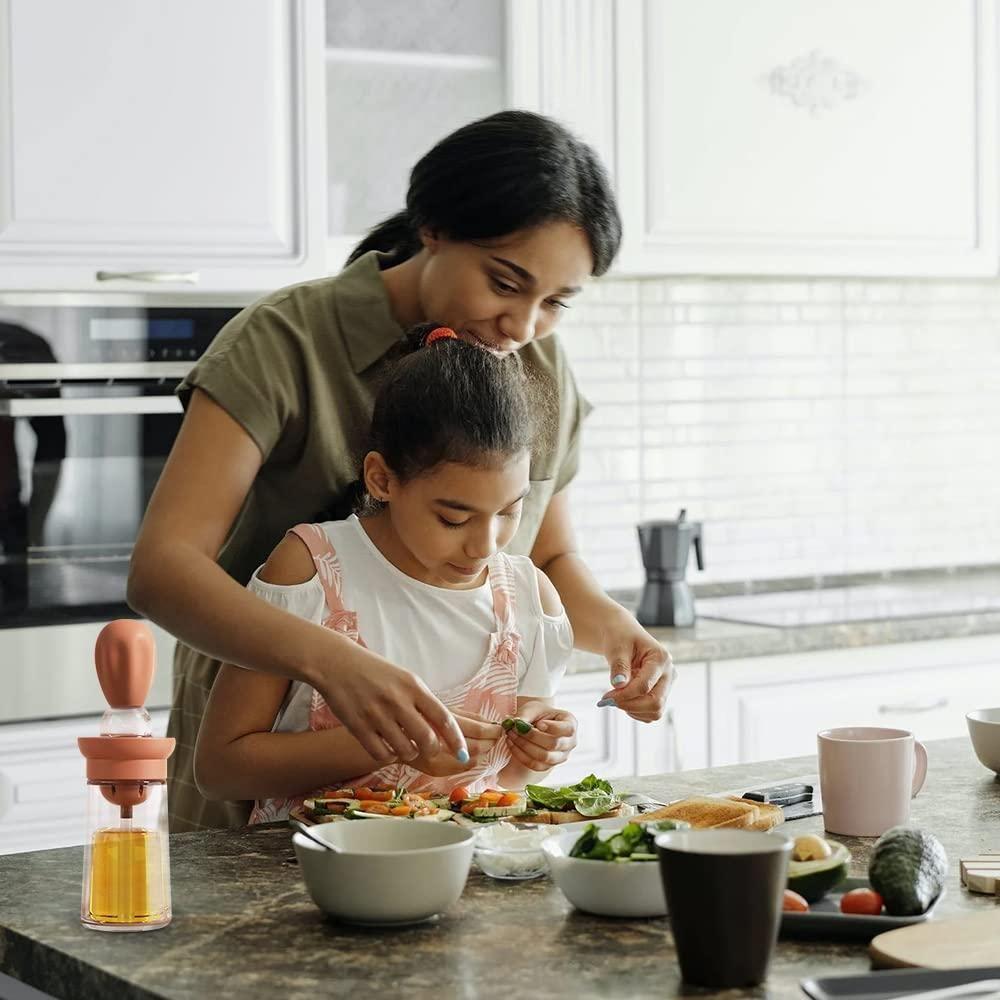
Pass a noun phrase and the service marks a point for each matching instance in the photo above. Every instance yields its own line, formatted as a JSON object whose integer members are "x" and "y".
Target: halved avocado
{"x": 812, "y": 880}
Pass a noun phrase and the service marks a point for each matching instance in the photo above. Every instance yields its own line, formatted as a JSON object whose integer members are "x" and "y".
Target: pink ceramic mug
{"x": 867, "y": 776}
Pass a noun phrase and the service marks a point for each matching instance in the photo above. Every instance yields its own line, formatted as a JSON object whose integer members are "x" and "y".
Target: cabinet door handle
{"x": 675, "y": 747}
{"x": 185, "y": 277}
{"x": 903, "y": 709}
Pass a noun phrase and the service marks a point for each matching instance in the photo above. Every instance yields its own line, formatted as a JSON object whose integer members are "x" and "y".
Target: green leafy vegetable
{"x": 634, "y": 842}
{"x": 595, "y": 803}
{"x": 592, "y": 796}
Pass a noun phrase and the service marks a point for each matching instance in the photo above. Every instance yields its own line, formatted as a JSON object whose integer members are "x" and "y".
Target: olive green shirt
{"x": 298, "y": 371}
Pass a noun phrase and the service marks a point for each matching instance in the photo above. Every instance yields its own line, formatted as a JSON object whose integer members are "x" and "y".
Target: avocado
{"x": 907, "y": 869}
{"x": 812, "y": 880}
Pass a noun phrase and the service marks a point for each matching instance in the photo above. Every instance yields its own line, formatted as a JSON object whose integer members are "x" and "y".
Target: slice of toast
{"x": 705, "y": 812}
{"x": 768, "y": 814}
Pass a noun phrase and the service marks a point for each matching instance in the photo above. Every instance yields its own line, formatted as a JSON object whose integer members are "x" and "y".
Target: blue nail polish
{"x": 618, "y": 679}
{"x": 462, "y": 756}
{"x": 605, "y": 702}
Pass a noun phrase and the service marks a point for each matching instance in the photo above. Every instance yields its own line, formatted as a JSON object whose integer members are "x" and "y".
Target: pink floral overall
{"x": 490, "y": 693}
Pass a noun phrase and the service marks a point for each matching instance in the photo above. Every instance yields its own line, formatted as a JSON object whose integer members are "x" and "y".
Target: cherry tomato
{"x": 866, "y": 901}
{"x": 794, "y": 903}
{"x": 458, "y": 794}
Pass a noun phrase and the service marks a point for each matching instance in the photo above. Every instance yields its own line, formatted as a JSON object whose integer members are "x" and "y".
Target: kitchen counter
{"x": 902, "y": 606}
{"x": 245, "y": 927}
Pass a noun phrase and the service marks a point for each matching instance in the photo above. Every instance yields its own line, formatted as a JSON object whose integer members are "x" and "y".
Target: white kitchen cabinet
{"x": 43, "y": 785}
{"x": 605, "y": 737}
{"x": 780, "y": 137}
{"x": 610, "y": 744}
{"x": 402, "y": 74}
{"x": 161, "y": 147}
{"x": 679, "y": 742}
{"x": 772, "y": 706}
{"x": 789, "y": 137}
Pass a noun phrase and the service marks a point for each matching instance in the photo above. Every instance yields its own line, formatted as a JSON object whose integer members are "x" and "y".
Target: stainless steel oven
{"x": 87, "y": 417}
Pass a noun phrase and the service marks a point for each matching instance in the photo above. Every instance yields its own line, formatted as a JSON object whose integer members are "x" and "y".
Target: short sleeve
{"x": 254, "y": 371}
{"x": 305, "y": 600}
{"x": 547, "y": 657}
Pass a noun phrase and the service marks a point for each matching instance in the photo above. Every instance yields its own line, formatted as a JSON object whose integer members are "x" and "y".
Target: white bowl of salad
{"x": 612, "y": 872}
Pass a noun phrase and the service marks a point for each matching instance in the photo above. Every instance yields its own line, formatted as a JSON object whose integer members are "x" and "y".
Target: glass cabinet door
{"x": 400, "y": 75}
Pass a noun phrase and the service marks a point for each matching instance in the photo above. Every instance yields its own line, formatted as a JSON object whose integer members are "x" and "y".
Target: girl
{"x": 420, "y": 577}
{"x": 505, "y": 220}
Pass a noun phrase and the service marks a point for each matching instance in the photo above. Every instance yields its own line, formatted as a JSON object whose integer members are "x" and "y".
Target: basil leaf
{"x": 551, "y": 798}
{"x": 595, "y": 803}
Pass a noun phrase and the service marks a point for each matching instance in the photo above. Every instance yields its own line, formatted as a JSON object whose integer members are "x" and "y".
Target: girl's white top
{"x": 440, "y": 635}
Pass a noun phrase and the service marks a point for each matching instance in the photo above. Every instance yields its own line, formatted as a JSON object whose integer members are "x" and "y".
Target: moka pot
{"x": 666, "y": 598}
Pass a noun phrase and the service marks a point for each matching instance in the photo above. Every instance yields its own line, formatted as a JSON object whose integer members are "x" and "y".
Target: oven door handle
{"x": 89, "y": 406}
{"x": 182, "y": 277}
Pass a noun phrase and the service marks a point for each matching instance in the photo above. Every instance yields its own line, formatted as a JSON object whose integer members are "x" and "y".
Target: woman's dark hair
{"x": 511, "y": 171}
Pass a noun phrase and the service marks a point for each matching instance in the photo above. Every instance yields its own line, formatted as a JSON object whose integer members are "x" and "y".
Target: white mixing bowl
{"x": 385, "y": 871}
{"x": 984, "y": 731}
{"x": 608, "y": 888}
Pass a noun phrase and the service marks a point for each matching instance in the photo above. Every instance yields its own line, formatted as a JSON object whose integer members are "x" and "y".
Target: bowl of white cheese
{"x": 506, "y": 851}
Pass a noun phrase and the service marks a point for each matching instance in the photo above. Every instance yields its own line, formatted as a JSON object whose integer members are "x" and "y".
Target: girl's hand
{"x": 551, "y": 740}
{"x": 641, "y": 671}
{"x": 480, "y": 737}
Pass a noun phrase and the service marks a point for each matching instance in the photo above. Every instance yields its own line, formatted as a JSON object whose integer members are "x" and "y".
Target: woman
{"x": 505, "y": 220}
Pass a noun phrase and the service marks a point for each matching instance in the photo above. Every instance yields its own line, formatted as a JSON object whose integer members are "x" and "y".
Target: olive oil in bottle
{"x": 126, "y": 878}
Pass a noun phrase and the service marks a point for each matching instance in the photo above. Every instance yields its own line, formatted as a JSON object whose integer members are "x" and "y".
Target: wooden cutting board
{"x": 961, "y": 943}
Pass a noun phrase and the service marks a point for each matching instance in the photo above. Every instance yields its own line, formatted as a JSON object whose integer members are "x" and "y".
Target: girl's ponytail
{"x": 396, "y": 236}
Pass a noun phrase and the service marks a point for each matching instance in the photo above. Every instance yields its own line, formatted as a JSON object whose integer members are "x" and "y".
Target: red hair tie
{"x": 440, "y": 333}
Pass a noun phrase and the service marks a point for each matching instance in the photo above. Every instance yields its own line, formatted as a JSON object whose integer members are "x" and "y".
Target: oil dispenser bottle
{"x": 126, "y": 870}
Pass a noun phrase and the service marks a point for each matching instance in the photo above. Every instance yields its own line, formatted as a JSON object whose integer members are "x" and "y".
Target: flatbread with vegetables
{"x": 363, "y": 803}
{"x": 591, "y": 798}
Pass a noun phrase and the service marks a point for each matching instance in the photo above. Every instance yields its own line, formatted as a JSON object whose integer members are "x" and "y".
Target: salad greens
{"x": 592, "y": 796}
{"x": 634, "y": 842}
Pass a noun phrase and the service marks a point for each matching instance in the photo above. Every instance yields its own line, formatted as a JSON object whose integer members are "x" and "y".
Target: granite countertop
{"x": 244, "y": 925}
{"x": 902, "y": 606}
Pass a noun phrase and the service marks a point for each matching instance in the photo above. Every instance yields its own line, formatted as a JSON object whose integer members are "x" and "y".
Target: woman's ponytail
{"x": 396, "y": 236}
{"x": 500, "y": 175}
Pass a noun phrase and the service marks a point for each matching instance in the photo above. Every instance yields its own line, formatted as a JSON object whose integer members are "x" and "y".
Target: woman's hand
{"x": 390, "y": 711}
{"x": 641, "y": 670}
{"x": 481, "y": 737}
{"x": 551, "y": 740}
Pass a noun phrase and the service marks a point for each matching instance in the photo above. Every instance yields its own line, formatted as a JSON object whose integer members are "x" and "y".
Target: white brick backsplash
{"x": 813, "y": 426}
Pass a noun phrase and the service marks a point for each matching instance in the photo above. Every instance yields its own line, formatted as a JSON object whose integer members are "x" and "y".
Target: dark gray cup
{"x": 724, "y": 892}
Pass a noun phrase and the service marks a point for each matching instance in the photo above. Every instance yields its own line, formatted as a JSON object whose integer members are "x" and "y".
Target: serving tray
{"x": 825, "y": 920}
